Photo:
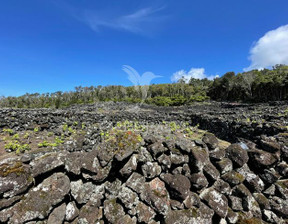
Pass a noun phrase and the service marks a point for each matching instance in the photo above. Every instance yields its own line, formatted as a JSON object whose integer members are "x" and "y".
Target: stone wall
{"x": 163, "y": 181}
{"x": 226, "y": 121}
{"x": 166, "y": 179}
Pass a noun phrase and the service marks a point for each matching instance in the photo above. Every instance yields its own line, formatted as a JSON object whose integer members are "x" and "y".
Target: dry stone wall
{"x": 162, "y": 180}
{"x": 175, "y": 181}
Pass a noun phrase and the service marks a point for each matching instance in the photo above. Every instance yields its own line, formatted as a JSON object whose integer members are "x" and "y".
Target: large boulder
{"x": 47, "y": 163}
{"x": 136, "y": 182}
{"x": 151, "y": 170}
{"x": 216, "y": 201}
{"x": 90, "y": 213}
{"x": 233, "y": 178}
{"x": 15, "y": 178}
{"x": 144, "y": 213}
{"x": 129, "y": 199}
{"x": 156, "y": 195}
{"x": 156, "y": 149}
{"x": 40, "y": 200}
{"x": 198, "y": 180}
{"x": 201, "y": 215}
{"x": 57, "y": 215}
{"x": 224, "y": 165}
{"x": 237, "y": 155}
{"x": 210, "y": 140}
{"x": 252, "y": 180}
{"x": 199, "y": 157}
{"x": 261, "y": 159}
{"x": 178, "y": 185}
{"x": 184, "y": 145}
{"x": 83, "y": 192}
{"x": 115, "y": 214}
{"x": 71, "y": 211}
{"x": 130, "y": 166}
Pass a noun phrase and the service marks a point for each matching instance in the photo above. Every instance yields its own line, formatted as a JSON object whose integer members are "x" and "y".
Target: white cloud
{"x": 197, "y": 73}
{"x": 135, "y": 22}
{"x": 271, "y": 49}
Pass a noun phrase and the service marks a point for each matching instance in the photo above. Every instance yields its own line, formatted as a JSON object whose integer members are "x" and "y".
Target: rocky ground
{"x": 123, "y": 163}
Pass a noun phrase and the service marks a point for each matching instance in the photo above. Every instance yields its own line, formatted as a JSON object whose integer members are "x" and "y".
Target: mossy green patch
{"x": 17, "y": 168}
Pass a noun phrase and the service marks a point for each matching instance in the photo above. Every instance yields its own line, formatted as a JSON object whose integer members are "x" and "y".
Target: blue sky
{"x": 52, "y": 45}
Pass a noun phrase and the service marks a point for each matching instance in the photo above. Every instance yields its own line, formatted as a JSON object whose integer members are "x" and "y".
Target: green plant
{"x": 36, "y": 129}
{"x": 68, "y": 129}
{"x": 71, "y": 130}
{"x": 65, "y": 127}
{"x": 83, "y": 125}
{"x": 15, "y": 137}
{"x": 8, "y": 131}
{"x": 16, "y": 146}
{"x": 173, "y": 126}
{"x": 26, "y": 135}
{"x": 188, "y": 130}
{"x": 120, "y": 139}
{"x": 58, "y": 141}
{"x": 12, "y": 145}
{"x": 43, "y": 144}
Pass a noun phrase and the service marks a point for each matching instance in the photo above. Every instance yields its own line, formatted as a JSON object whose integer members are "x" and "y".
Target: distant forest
{"x": 253, "y": 86}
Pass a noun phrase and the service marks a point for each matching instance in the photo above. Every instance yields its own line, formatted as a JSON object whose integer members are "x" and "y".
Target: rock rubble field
{"x": 127, "y": 164}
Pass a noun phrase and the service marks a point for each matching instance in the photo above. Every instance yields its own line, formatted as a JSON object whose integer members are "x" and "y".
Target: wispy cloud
{"x": 270, "y": 49}
{"x": 136, "y": 22}
{"x": 196, "y": 73}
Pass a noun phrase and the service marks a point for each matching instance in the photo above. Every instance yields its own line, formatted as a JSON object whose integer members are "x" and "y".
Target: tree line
{"x": 253, "y": 86}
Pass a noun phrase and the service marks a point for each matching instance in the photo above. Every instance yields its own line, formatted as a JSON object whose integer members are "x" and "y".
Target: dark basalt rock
{"x": 192, "y": 200}
{"x": 144, "y": 213}
{"x": 210, "y": 140}
{"x": 71, "y": 211}
{"x": 222, "y": 187}
{"x": 233, "y": 178}
{"x": 156, "y": 149}
{"x": 169, "y": 176}
{"x": 151, "y": 170}
{"x": 237, "y": 155}
{"x": 156, "y": 195}
{"x": 198, "y": 180}
{"x": 178, "y": 185}
{"x": 90, "y": 213}
{"x": 216, "y": 201}
{"x": 202, "y": 215}
{"x": 130, "y": 166}
{"x": 199, "y": 157}
{"x": 224, "y": 165}
{"x": 57, "y": 215}
{"x": 211, "y": 172}
{"x": 47, "y": 162}
{"x": 15, "y": 178}
{"x": 39, "y": 202}
{"x": 262, "y": 159}
{"x": 83, "y": 192}
{"x": 113, "y": 211}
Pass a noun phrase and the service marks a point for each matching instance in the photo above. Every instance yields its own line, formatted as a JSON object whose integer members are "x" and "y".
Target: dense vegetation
{"x": 252, "y": 86}
{"x": 255, "y": 86}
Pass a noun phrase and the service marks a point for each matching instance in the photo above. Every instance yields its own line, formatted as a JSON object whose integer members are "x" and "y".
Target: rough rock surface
{"x": 170, "y": 178}
{"x": 40, "y": 200}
